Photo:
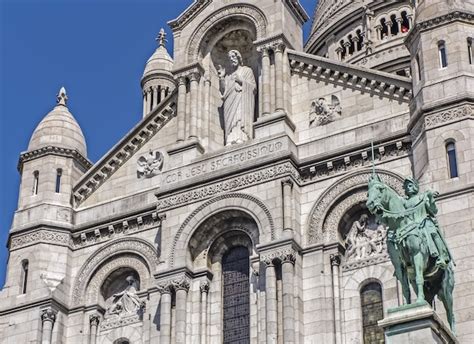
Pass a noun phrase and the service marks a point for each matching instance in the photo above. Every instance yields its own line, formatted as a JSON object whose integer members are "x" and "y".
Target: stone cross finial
{"x": 62, "y": 97}
{"x": 161, "y": 39}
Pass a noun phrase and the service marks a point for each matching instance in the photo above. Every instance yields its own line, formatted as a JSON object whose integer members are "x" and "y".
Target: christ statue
{"x": 238, "y": 94}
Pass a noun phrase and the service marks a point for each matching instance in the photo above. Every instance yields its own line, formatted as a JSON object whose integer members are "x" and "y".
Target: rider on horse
{"x": 422, "y": 211}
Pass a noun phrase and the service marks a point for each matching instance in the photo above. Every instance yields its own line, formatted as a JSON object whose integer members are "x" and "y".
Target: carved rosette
{"x": 48, "y": 314}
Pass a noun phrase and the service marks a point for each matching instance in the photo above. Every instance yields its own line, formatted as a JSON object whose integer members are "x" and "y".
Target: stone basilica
{"x": 234, "y": 211}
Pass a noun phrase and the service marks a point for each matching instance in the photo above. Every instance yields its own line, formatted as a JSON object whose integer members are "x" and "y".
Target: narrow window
{"x": 443, "y": 58}
{"x": 35, "y": 182}
{"x": 469, "y": 49}
{"x": 384, "y": 29}
{"x": 236, "y": 298}
{"x": 360, "y": 40}
{"x": 405, "y": 22}
{"x": 394, "y": 27}
{"x": 372, "y": 312}
{"x": 452, "y": 162}
{"x": 418, "y": 66}
{"x": 24, "y": 275}
{"x": 59, "y": 172}
{"x": 351, "y": 45}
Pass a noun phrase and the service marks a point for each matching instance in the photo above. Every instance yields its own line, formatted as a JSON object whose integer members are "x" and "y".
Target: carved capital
{"x": 264, "y": 50}
{"x": 194, "y": 76}
{"x": 181, "y": 80}
{"x": 48, "y": 314}
{"x": 287, "y": 182}
{"x": 335, "y": 259}
{"x": 182, "y": 283}
{"x": 283, "y": 254}
{"x": 164, "y": 288}
{"x": 94, "y": 320}
{"x": 204, "y": 287}
{"x": 278, "y": 47}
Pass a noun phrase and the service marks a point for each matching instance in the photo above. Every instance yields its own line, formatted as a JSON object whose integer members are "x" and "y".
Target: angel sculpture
{"x": 149, "y": 165}
{"x": 322, "y": 113}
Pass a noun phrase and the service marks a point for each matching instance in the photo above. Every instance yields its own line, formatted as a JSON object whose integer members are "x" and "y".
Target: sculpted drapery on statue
{"x": 238, "y": 95}
{"x": 127, "y": 301}
{"x": 415, "y": 244}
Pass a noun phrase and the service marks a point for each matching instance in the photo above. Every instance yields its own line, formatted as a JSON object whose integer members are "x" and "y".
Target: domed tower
{"x": 56, "y": 158}
{"x": 368, "y": 33}
{"x": 157, "y": 80}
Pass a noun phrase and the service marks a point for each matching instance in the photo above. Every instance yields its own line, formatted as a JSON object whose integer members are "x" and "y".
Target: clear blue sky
{"x": 97, "y": 49}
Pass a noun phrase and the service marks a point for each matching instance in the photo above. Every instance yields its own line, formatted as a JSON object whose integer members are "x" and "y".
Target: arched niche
{"x": 116, "y": 281}
{"x": 218, "y": 234}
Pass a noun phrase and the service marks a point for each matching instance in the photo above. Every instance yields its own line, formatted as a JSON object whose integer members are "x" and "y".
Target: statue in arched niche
{"x": 238, "y": 90}
{"x": 127, "y": 301}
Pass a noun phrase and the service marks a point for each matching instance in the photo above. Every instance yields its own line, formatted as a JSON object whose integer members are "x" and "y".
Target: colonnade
{"x": 154, "y": 95}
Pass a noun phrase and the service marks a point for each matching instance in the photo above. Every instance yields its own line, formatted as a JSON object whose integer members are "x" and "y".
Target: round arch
{"x": 331, "y": 206}
{"x": 245, "y": 203}
{"x": 136, "y": 246}
{"x": 244, "y": 11}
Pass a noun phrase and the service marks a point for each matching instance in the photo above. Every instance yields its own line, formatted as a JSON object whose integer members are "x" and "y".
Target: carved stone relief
{"x": 149, "y": 165}
{"x": 125, "y": 302}
{"x": 323, "y": 112}
{"x": 366, "y": 238}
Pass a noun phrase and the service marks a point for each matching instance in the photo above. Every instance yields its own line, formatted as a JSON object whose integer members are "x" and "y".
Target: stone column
{"x": 378, "y": 30}
{"x": 94, "y": 320}
{"x": 399, "y": 23}
{"x": 389, "y": 28}
{"x": 144, "y": 103}
{"x": 155, "y": 97}
{"x": 288, "y": 286}
{"x": 266, "y": 81}
{"x": 48, "y": 317}
{"x": 165, "y": 314}
{"x": 207, "y": 106}
{"x": 162, "y": 93}
{"x": 339, "y": 53}
{"x": 181, "y": 107}
{"x": 335, "y": 263}
{"x": 181, "y": 287}
{"x": 279, "y": 96}
{"x": 356, "y": 40}
{"x": 346, "y": 47}
{"x": 271, "y": 301}
{"x": 193, "y": 89}
{"x": 287, "y": 185}
{"x": 204, "y": 287}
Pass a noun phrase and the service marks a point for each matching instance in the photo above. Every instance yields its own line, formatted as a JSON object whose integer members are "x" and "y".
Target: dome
{"x": 160, "y": 61}
{"x": 428, "y": 9}
{"x": 59, "y": 128}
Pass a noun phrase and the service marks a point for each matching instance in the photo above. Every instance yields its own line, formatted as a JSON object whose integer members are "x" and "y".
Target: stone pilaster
{"x": 165, "y": 313}
{"x": 181, "y": 112}
{"x": 287, "y": 185}
{"x": 288, "y": 285}
{"x": 271, "y": 309}
{"x": 181, "y": 287}
{"x": 335, "y": 264}
{"x": 94, "y": 321}
{"x": 204, "y": 289}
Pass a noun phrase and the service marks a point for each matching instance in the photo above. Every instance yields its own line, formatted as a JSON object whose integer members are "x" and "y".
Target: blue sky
{"x": 97, "y": 49}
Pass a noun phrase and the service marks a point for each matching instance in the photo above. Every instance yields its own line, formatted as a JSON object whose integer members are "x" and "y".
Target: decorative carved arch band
{"x": 122, "y": 246}
{"x": 243, "y": 202}
{"x": 249, "y": 12}
{"x": 325, "y": 214}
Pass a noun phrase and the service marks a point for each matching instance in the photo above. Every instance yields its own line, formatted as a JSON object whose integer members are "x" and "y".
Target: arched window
{"x": 360, "y": 41}
{"x": 372, "y": 312}
{"x": 405, "y": 22}
{"x": 343, "y": 50}
{"x": 443, "y": 56}
{"x": 384, "y": 29}
{"x": 24, "y": 275}
{"x": 59, "y": 173}
{"x": 451, "y": 157}
{"x": 351, "y": 45}
{"x": 394, "y": 25}
{"x": 236, "y": 295}
{"x": 35, "y": 182}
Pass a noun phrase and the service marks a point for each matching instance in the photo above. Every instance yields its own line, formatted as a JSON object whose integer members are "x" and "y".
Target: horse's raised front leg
{"x": 418, "y": 262}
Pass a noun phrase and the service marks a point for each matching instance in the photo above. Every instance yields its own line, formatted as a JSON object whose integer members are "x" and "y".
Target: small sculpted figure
{"x": 126, "y": 302}
{"x": 238, "y": 94}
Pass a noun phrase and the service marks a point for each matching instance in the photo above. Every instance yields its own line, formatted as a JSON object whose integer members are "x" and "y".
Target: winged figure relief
{"x": 149, "y": 165}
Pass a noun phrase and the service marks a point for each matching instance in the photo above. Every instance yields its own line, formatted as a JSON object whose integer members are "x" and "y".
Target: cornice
{"x": 467, "y": 17}
{"x": 374, "y": 82}
{"x": 297, "y": 10}
{"x": 126, "y": 148}
{"x": 195, "y": 67}
{"x": 189, "y": 13}
{"x": 53, "y": 150}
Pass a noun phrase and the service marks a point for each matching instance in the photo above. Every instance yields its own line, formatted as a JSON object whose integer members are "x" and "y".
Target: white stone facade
{"x": 163, "y": 209}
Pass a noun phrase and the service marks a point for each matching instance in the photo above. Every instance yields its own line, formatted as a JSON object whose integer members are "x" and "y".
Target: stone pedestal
{"x": 414, "y": 324}
{"x": 273, "y": 124}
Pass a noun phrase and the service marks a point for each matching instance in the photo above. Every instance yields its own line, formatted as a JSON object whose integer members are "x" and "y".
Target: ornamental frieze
{"x": 37, "y": 236}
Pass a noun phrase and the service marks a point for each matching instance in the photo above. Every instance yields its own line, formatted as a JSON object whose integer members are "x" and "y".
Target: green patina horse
{"x": 415, "y": 245}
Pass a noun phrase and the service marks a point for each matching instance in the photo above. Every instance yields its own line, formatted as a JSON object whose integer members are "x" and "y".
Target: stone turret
{"x": 157, "y": 80}
{"x": 440, "y": 46}
{"x": 56, "y": 158}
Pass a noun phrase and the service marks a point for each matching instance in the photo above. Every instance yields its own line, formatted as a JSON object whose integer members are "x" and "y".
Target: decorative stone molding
{"x": 232, "y": 184}
{"x": 117, "y": 247}
{"x": 191, "y": 12}
{"x": 453, "y": 114}
{"x": 364, "y": 80}
{"x": 108, "y": 231}
{"x": 355, "y": 160}
{"x": 250, "y": 12}
{"x": 48, "y": 314}
{"x": 255, "y": 206}
{"x": 126, "y": 148}
{"x": 119, "y": 322}
{"x": 357, "y": 264}
{"x": 64, "y": 152}
{"x": 39, "y": 236}
{"x": 322, "y": 231}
